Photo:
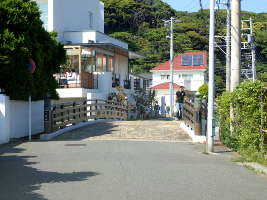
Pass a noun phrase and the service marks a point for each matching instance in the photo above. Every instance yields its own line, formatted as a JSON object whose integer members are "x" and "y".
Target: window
{"x": 137, "y": 83}
{"x": 165, "y": 77}
{"x": 111, "y": 64}
{"x": 198, "y": 59}
{"x": 187, "y": 76}
{"x": 91, "y": 20}
{"x": 187, "y": 60}
{"x": 193, "y": 60}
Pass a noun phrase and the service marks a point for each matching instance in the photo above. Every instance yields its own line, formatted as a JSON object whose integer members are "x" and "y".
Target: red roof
{"x": 165, "y": 86}
{"x": 178, "y": 63}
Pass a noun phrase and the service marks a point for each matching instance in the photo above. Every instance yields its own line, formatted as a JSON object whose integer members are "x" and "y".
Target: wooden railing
{"x": 62, "y": 114}
{"x": 194, "y": 114}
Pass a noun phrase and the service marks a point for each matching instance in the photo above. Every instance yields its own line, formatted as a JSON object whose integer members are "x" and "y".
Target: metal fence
{"x": 62, "y": 114}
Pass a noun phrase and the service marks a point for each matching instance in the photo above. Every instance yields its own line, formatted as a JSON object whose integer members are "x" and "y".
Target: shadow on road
{"x": 89, "y": 131}
{"x": 20, "y": 180}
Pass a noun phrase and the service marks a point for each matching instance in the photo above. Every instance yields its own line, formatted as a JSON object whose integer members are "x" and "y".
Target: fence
{"x": 195, "y": 115}
{"x": 59, "y": 115}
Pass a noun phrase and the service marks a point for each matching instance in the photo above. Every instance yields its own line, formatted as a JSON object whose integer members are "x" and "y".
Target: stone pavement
{"x": 164, "y": 130}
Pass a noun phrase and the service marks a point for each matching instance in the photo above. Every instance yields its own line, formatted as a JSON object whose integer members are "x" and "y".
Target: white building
{"x": 99, "y": 63}
{"x": 189, "y": 72}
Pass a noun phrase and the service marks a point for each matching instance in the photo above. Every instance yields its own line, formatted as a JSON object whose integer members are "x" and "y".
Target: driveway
{"x": 98, "y": 164}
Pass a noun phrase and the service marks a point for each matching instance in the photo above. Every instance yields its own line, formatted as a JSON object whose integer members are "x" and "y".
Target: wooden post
{"x": 197, "y": 121}
{"x": 48, "y": 116}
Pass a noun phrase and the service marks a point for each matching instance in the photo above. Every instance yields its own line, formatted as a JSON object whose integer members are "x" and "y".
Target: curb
{"x": 70, "y": 128}
{"x": 190, "y": 132}
{"x": 256, "y": 166}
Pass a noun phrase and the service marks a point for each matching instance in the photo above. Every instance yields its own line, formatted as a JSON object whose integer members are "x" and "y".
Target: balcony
{"x": 115, "y": 80}
{"x": 72, "y": 79}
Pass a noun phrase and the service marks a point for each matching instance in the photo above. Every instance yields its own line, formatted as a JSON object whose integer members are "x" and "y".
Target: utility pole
{"x": 228, "y": 46}
{"x": 171, "y": 69}
{"x": 171, "y": 23}
{"x": 235, "y": 45}
{"x": 211, "y": 78}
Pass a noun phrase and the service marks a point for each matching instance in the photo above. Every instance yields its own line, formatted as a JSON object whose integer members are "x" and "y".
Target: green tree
{"x": 22, "y": 36}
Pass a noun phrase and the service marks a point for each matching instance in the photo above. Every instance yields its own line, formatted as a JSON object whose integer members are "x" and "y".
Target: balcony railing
{"x": 75, "y": 80}
{"x": 115, "y": 81}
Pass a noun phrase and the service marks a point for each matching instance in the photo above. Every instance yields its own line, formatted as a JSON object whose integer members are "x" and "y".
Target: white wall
{"x": 4, "y": 119}
{"x": 14, "y": 118}
{"x": 77, "y": 37}
{"x": 164, "y": 96}
{"x": 104, "y": 82}
{"x": 19, "y": 112}
{"x": 197, "y": 78}
{"x": 121, "y": 67}
{"x": 73, "y": 15}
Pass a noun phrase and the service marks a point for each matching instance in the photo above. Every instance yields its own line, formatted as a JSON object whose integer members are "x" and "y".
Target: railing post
{"x": 48, "y": 121}
{"x": 197, "y": 123}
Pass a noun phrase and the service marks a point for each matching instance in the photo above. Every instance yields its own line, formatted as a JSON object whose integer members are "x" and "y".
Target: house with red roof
{"x": 190, "y": 70}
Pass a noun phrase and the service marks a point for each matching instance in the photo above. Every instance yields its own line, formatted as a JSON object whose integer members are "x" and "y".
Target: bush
{"x": 246, "y": 126}
{"x": 204, "y": 90}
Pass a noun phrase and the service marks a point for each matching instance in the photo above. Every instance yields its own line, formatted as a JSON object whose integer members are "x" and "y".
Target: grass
{"x": 255, "y": 170}
{"x": 251, "y": 156}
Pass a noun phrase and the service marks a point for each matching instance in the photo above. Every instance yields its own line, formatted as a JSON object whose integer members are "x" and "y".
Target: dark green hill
{"x": 140, "y": 23}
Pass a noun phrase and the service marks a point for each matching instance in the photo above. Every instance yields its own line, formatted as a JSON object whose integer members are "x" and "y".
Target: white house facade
{"x": 97, "y": 63}
{"x": 189, "y": 72}
{"x": 72, "y": 15}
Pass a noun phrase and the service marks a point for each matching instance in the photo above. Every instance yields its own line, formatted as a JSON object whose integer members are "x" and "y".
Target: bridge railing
{"x": 62, "y": 114}
{"x": 195, "y": 115}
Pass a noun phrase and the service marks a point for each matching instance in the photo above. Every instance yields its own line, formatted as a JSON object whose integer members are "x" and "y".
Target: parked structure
{"x": 189, "y": 72}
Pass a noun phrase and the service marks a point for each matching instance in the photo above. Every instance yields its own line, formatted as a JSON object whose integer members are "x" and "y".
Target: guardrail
{"x": 62, "y": 114}
{"x": 194, "y": 115}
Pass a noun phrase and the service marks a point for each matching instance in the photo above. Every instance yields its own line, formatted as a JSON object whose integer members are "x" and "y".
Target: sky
{"x": 257, "y": 6}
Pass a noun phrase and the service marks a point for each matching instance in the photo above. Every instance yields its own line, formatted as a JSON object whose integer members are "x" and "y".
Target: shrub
{"x": 203, "y": 90}
{"x": 246, "y": 126}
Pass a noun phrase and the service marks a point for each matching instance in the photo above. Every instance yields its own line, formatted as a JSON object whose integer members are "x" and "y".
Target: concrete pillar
{"x": 4, "y": 119}
{"x": 235, "y": 45}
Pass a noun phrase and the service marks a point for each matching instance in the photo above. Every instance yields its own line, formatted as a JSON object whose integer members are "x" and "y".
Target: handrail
{"x": 193, "y": 114}
{"x": 60, "y": 115}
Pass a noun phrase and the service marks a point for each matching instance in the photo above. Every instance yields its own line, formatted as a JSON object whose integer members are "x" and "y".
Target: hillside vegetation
{"x": 140, "y": 23}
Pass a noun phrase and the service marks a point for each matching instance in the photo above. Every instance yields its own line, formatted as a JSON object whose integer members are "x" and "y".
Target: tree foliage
{"x": 22, "y": 36}
{"x": 140, "y": 23}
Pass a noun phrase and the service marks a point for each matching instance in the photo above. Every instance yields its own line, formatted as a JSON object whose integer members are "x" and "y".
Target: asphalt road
{"x": 123, "y": 170}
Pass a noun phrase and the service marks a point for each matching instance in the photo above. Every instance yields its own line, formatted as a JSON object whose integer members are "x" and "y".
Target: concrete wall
{"x": 14, "y": 118}
{"x": 70, "y": 15}
{"x": 4, "y": 119}
{"x": 197, "y": 78}
{"x": 19, "y": 112}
